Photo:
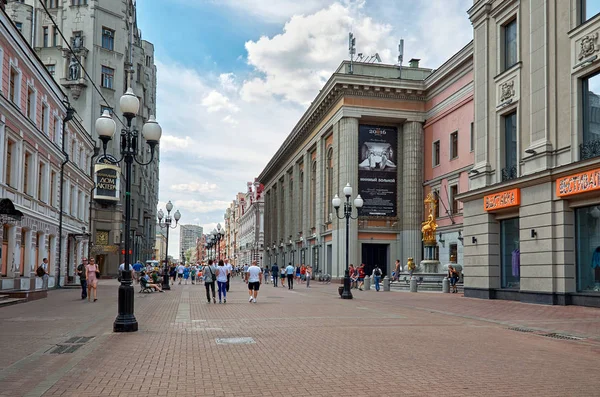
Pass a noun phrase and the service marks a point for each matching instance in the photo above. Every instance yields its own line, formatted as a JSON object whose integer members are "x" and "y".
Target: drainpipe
{"x": 94, "y": 155}
{"x": 68, "y": 117}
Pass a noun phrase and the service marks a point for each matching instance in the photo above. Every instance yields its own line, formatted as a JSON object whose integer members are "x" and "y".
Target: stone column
{"x": 412, "y": 191}
{"x": 306, "y": 200}
{"x": 348, "y": 173}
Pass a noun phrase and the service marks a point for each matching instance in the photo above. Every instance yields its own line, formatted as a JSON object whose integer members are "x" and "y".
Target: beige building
{"x": 532, "y": 214}
{"x": 104, "y": 36}
{"x": 160, "y": 247}
{"x": 251, "y": 225}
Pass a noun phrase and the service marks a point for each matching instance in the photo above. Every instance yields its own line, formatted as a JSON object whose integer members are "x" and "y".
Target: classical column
{"x": 412, "y": 190}
{"x": 348, "y": 173}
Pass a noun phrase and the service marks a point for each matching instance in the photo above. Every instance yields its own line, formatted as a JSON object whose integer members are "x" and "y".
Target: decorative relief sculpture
{"x": 73, "y": 69}
{"x": 587, "y": 45}
{"x": 507, "y": 90}
{"x": 429, "y": 227}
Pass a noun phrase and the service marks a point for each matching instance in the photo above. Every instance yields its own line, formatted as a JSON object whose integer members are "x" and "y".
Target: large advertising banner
{"x": 377, "y": 169}
{"x": 107, "y": 179}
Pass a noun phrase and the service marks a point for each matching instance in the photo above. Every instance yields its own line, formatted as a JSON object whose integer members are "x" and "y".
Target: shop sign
{"x": 107, "y": 176}
{"x": 588, "y": 181}
{"x": 377, "y": 169}
{"x": 500, "y": 200}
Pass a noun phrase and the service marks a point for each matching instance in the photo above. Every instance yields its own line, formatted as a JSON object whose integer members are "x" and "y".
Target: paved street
{"x": 306, "y": 343}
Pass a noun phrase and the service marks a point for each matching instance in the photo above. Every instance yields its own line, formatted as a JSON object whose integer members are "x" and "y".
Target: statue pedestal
{"x": 430, "y": 265}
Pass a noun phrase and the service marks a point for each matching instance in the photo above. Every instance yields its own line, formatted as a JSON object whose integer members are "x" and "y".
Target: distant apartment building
{"x": 104, "y": 37}
{"x": 188, "y": 235}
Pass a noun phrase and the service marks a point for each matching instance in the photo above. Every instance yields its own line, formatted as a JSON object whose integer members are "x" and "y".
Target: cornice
{"x": 479, "y": 11}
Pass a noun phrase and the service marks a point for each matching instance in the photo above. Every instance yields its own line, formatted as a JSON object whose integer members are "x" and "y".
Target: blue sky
{"x": 234, "y": 77}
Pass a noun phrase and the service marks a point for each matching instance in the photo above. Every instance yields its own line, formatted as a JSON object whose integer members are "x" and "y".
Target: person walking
{"x": 180, "y": 270}
{"x": 222, "y": 276}
{"x": 44, "y": 275}
{"x": 82, "y": 273}
{"x": 266, "y": 274}
{"x": 193, "y": 272}
{"x": 308, "y": 275}
{"x": 396, "y": 276}
{"x": 173, "y": 273}
{"x": 229, "y": 272}
{"x": 92, "y": 273}
{"x": 453, "y": 276}
{"x": 289, "y": 270}
{"x": 137, "y": 270}
{"x": 377, "y": 277}
{"x": 210, "y": 276}
{"x": 186, "y": 273}
{"x": 282, "y": 276}
{"x": 275, "y": 274}
{"x": 361, "y": 276}
{"x": 302, "y": 273}
{"x": 253, "y": 279}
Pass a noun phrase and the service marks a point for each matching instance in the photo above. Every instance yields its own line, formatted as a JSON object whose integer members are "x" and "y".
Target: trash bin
{"x": 446, "y": 285}
{"x": 367, "y": 285}
{"x": 413, "y": 284}
{"x": 386, "y": 283}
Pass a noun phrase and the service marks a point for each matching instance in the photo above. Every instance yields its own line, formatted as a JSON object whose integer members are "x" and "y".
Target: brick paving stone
{"x": 394, "y": 343}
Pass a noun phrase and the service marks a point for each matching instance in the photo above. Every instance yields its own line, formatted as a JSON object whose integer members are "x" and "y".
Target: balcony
{"x": 589, "y": 150}
{"x": 509, "y": 173}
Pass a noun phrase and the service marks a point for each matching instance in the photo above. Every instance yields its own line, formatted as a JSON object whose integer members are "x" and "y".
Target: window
{"x": 45, "y": 35}
{"x": 26, "y": 176}
{"x": 45, "y": 118}
{"x": 510, "y": 44}
{"x": 453, "y": 253}
{"x": 9, "y": 159}
{"x": 40, "y": 186}
{"x": 108, "y": 76}
{"x": 72, "y": 201}
{"x": 510, "y": 147}
{"x": 52, "y": 199}
{"x": 78, "y": 2}
{"x": 51, "y": 69}
{"x": 313, "y": 195}
{"x": 148, "y": 60}
{"x": 55, "y": 36}
{"x": 591, "y": 117}
{"x": 108, "y": 39}
{"x": 510, "y": 260}
{"x": 472, "y": 137}
{"x": 329, "y": 196}
{"x": 589, "y": 9}
{"x": 436, "y": 153}
{"x": 103, "y": 108}
{"x": 139, "y": 73}
{"x": 587, "y": 238}
{"x": 453, "y": 194}
{"x": 14, "y": 86}
{"x": 454, "y": 145}
{"x": 31, "y": 104}
{"x": 436, "y": 211}
{"x": 55, "y": 131}
{"x": 51, "y": 3}
{"x": 19, "y": 26}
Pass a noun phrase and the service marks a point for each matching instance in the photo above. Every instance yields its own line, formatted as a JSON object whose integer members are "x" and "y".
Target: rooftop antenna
{"x": 400, "y": 56}
{"x": 351, "y": 50}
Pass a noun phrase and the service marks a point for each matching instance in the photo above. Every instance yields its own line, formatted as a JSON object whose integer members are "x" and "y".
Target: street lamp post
{"x": 358, "y": 203}
{"x": 167, "y": 225}
{"x": 151, "y": 132}
{"x": 218, "y": 234}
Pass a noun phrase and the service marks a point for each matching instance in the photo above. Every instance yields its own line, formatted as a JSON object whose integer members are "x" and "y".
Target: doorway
{"x": 375, "y": 254}
{"x": 329, "y": 259}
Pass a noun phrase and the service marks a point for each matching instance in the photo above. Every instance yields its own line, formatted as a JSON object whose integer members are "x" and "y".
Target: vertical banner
{"x": 107, "y": 176}
{"x": 377, "y": 169}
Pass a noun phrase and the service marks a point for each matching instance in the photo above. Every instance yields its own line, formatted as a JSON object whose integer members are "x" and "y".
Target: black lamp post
{"x": 167, "y": 225}
{"x": 151, "y": 131}
{"x": 358, "y": 203}
{"x": 218, "y": 234}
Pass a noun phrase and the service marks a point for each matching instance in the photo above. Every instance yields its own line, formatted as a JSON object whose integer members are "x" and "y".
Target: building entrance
{"x": 375, "y": 254}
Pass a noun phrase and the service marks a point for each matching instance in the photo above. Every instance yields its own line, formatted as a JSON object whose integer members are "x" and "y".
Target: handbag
{"x": 97, "y": 272}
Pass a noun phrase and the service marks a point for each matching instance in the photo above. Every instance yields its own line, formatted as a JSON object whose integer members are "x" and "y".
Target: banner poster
{"x": 107, "y": 177}
{"x": 377, "y": 169}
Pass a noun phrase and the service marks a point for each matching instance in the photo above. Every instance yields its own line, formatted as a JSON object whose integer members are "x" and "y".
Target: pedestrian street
{"x": 300, "y": 342}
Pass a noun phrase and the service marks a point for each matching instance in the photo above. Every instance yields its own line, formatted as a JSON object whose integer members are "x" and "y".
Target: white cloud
{"x": 170, "y": 143}
{"x": 267, "y": 11}
{"x": 199, "y": 206}
{"x": 228, "y": 82}
{"x": 195, "y": 187}
{"x": 216, "y": 101}
{"x": 230, "y": 120}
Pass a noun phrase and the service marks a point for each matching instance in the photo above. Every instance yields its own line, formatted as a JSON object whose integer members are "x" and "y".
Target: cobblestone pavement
{"x": 305, "y": 342}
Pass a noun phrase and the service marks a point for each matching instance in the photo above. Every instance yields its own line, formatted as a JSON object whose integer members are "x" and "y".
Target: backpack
{"x": 40, "y": 271}
{"x": 378, "y": 272}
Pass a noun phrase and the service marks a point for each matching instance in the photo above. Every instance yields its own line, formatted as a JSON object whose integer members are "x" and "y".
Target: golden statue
{"x": 429, "y": 227}
{"x": 410, "y": 264}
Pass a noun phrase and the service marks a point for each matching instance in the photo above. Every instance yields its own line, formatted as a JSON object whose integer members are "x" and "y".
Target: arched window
{"x": 329, "y": 195}
{"x": 313, "y": 195}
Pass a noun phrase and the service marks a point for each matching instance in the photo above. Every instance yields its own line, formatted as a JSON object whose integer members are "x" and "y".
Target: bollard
{"x": 386, "y": 283}
{"x": 446, "y": 285}
{"x": 413, "y": 284}
{"x": 367, "y": 285}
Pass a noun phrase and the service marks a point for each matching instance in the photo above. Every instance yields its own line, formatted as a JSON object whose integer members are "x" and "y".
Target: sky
{"x": 235, "y": 76}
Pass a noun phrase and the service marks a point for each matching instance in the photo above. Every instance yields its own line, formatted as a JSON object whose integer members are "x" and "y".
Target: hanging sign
{"x": 107, "y": 178}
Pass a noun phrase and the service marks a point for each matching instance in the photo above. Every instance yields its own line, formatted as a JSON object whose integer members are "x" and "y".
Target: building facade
{"x": 188, "y": 234}
{"x": 365, "y": 128}
{"x": 32, "y": 133}
{"x": 531, "y": 216}
{"x": 103, "y": 37}
{"x": 251, "y": 225}
{"x": 160, "y": 247}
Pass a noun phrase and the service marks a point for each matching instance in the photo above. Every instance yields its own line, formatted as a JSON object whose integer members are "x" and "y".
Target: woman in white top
{"x": 222, "y": 272}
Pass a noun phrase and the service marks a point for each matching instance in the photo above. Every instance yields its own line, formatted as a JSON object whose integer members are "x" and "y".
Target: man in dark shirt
{"x": 82, "y": 272}
{"x": 275, "y": 273}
